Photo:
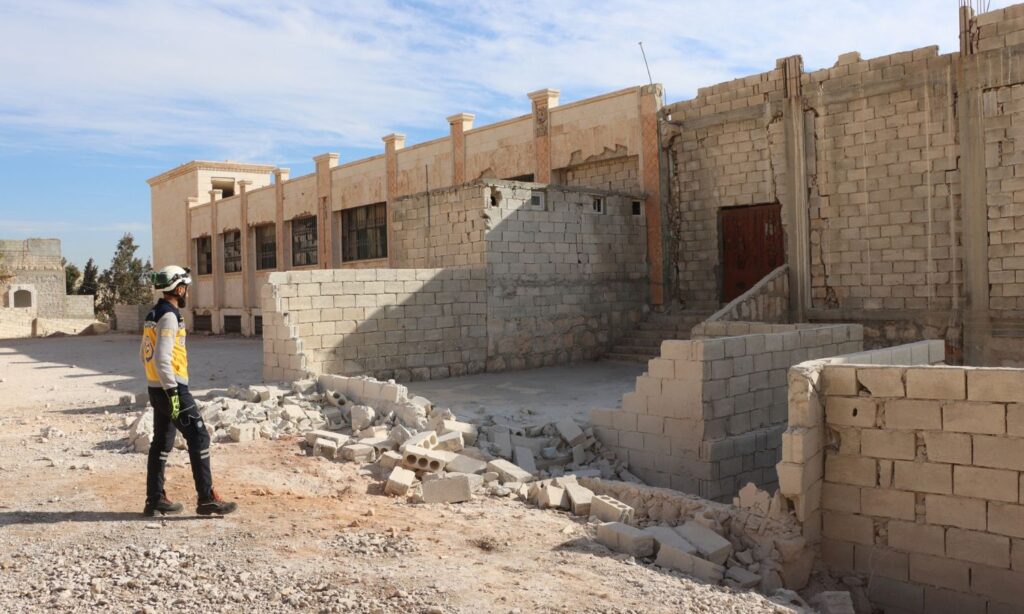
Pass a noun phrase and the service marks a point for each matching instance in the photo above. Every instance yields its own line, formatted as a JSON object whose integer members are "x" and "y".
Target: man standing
{"x": 166, "y": 361}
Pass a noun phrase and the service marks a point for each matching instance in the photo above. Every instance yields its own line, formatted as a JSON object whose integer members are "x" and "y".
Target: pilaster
{"x": 392, "y": 143}
{"x": 280, "y": 176}
{"x": 543, "y": 101}
{"x": 458, "y": 124}
{"x": 324, "y": 228}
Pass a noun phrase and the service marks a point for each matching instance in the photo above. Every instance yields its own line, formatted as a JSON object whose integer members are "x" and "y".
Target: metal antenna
{"x": 642, "y": 52}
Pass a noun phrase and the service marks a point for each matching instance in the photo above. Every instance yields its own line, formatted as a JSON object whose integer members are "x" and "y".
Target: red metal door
{"x": 752, "y": 246}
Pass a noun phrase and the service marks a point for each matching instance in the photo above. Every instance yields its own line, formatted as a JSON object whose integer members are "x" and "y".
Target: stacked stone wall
{"x": 708, "y": 415}
{"x": 920, "y": 488}
{"x": 35, "y": 264}
{"x": 620, "y": 174}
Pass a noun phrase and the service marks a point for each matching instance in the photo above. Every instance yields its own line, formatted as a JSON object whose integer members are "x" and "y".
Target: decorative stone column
{"x": 217, "y": 260}
{"x": 392, "y": 143}
{"x": 243, "y": 231}
{"x": 280, "y": 176}
{"x": 324, "y": 227}
{"x": 543, "y": 101}
{"x": 458, "y": 125}
{"x": 190, "y": 252}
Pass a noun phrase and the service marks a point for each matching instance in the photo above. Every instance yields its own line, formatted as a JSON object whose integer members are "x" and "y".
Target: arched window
{"x": 22, "y": 298}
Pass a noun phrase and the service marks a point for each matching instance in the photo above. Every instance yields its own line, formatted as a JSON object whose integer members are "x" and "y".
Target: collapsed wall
{"x": 563, "y": 275}
{"x": 708, "y": 415}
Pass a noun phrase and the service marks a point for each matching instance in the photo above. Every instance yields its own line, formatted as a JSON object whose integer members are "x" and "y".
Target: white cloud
{"x": 249, "y": 79}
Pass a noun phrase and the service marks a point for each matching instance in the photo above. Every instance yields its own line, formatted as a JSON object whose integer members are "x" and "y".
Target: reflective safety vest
{"x": 163, "y": 350}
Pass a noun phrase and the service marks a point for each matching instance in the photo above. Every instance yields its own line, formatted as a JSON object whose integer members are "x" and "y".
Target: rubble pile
{"x": 426, "y": 454}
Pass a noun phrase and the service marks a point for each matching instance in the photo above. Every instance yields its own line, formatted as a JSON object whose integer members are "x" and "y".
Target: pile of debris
{"x": 425, "y": 453}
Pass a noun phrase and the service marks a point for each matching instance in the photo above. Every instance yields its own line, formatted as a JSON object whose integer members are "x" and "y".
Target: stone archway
{"x": 21, "y": 296}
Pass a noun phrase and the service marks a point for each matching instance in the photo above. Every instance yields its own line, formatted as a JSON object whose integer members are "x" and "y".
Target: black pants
{"x": 192, "y": 428}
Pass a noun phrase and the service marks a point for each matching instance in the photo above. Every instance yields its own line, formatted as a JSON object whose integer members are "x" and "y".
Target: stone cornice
{"x": 205, "y": 165}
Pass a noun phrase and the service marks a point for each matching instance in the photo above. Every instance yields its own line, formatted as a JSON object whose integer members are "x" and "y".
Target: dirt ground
{"x": 311, "y": 535}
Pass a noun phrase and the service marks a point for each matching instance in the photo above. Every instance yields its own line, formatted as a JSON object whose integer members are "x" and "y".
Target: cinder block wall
{"x": 767, "y": 301}
{"x": 921, "y": 488}
{"x": 442, "y": 228}
{"x": 130, "y": 317}
{"x": 16, "y": 323}
{"x": 400, "y": 323}
{"x": 708, "y": 415}
{"x": 563, "y": 281}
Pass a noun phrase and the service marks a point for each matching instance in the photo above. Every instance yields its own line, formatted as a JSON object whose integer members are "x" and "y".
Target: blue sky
{"x": 97, "y": 96}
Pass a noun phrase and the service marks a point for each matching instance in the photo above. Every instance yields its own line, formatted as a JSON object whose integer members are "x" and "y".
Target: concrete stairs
{"x": 644, "y": 342}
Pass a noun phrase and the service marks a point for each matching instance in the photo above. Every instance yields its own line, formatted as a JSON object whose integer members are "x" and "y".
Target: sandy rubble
{"x": 311, "y": 535}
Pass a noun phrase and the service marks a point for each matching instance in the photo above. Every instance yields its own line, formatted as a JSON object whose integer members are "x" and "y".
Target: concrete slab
{"x": 551, "y": 393}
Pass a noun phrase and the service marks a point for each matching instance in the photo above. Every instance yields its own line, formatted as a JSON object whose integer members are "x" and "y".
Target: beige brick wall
{"x": 620, "y": 174}
{"x": 921, "y": 484}
{"x": 709, "y": 414}
{"x": 444, "y": 228}
{"x": 16, "y": 323}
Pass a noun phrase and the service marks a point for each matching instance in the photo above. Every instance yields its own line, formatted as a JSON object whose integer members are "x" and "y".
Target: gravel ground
{"x": 311, "y": 535}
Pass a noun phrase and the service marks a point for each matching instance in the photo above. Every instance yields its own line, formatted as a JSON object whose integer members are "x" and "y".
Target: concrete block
{"x": 914, "y": 537}
{"x": 389, "y": 460}
{"x": 833, "y": 602}
{"x": 358, "y": 452}
{"x": 607, "y": 509}
{"x": 424, "y": 439}
{"x": 552, "y": 496}
{"x": 452, "y": 489}
{"x": 851, "y": 411}
{"x": 968, "y": 417}
{"x": 509, "y": 472}
{"x": 948, "y": 447}
{"x": 580, "y": 498}
{"x": 452, "y": 442}
{"x": 469, "y": 431}
{"x": 709, "y": 544}
{"x": 624, "y": 538}
{"x": 989, "y": 484}
{"x": 422, "y": 459}
{"x": 882, "y": 381}
{"x": 1006, "y": 385}
{"x": 743, "y": 578}
{"x": 399, "y": 482}
{"x": 466, "y": 464}
{"x": 671, "y": 557}
{"x": 937, "y": 383}
{"x": 878, "y": 443}
{"x": 913, "y": 415}
{"x": 1006, "y": 519}
{"x": 325, "y": 448}
{"x": 523, "y": 457}
{"x": 245, "y": 432}
{"x": 923, "y": 477}
{"x": 571, "y": 432}
{"x": 668, "y": 536}
{"x": 955, "y": 511}
{"x": 978, "y": 547}
{"x": 503, "y": 444}
{"x": 887, "y": 503}
{"x": 854, "y": 470}
{"x": 361, "y": 417}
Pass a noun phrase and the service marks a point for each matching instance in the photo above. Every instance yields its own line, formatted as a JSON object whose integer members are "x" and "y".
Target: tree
{"x": 126, "y": 281}
{"x": 71, "y": 276}
{"x": 90, "y": 279}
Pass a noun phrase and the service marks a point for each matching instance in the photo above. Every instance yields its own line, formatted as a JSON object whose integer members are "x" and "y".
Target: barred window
{"x": 266, "y": 247}
{"x": 204, "y": 255}
{"x": 232, "y": 251}
{"x": 364, "y": 233}
{"x": 304, "y": 241}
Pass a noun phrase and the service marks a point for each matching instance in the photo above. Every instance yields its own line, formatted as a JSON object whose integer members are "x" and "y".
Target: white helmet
{"x": 170, "y": 277}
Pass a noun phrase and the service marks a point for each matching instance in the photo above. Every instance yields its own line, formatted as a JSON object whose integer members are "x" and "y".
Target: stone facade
{"x": 600, "y": 144}
{"x": 708, "y": 415}
{"x": 34, "y": 302}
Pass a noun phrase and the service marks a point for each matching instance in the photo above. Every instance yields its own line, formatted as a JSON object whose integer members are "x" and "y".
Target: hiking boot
{"x": 162, "y": 505}
{"x": 215, "y": 505}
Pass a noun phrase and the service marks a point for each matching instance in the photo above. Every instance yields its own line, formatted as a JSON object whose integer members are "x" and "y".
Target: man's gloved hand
{"x": 172, "y": 396}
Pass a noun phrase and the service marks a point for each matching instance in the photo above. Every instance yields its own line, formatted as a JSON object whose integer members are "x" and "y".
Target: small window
{"x": 232, "y": 251}
{"x": 597, "y": 205}
{"x": 204, "y": 255}
{"x": 304, "y": 241}
{"x": 233, "y": 324}
{"x": 22, "y": 299}
{"x": 203, "y": 324}
{"x": 266, "y": 247}
{"x": 537, "y": 200}
{"x": 226, "y": 185}
{"x": 523, "y": 178}
{"x": 257, "y": 325}
{"x": 364, "y": 233}
{"x": 637, "y": 208}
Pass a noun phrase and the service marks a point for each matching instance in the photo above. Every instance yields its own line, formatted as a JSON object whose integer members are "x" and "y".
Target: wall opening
{"x": 22, "y": 298}
{"x": 202, "y": 323}
{"x": 233, "y": 324}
